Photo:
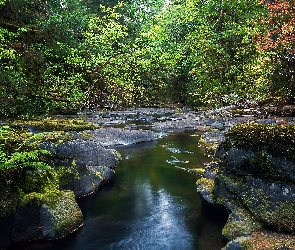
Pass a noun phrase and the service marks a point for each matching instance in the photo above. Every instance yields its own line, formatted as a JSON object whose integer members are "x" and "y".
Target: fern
{"x": 27, "y": 159}
{"x": 25, "y": 152}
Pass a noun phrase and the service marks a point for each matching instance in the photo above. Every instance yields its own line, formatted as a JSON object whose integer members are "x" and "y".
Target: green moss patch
{"x": 66, "y": 214}
{"x": 207, "y": 183}
{"x": 240, "y": 223}
{"x": 57, "y": 124}
{"x": 279, "y": 215}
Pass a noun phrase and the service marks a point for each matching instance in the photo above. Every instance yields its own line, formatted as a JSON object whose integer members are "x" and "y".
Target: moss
{"x": 207, "y": 183}
{"x": 49, "y": 198}
{"x": 282, "y": 217}
{"x": 279, "y": 215}
{"x": 226, "y": 188}
{"x": 57, "y": 124}
{"x": 116, "y": 154}
{"x": 65, "y": 213}
{"x": 199, "y": 171}
{"x": 240, "y": 223}
{"x": 68, "y": 219}
{"x": 261, "y": 165}
{"x": 12, "y": 138}
{"x": 210, "y": 148}
{"x": 265, "y": 241}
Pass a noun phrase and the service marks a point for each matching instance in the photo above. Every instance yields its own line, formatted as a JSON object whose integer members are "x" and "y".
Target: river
{"x": 151, "y": 204}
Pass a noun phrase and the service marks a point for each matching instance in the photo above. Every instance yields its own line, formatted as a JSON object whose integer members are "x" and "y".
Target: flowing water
{"x": 151, "y": 204}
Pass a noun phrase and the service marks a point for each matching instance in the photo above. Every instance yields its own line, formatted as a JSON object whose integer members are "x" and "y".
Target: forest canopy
{"x": 60, "y": 56}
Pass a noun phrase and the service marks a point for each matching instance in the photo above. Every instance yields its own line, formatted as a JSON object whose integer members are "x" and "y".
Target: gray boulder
{"x": 87, "y": 164}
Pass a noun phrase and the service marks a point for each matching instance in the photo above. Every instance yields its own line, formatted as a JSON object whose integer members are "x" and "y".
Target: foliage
{"x": 199, "y": 52}
{"x": 61, "y": 57}
{"x": 24, "y": 169}
{"x": 279, "y": 39}
{"x": 281, "y": 26}
{"x": 17, "y": 152}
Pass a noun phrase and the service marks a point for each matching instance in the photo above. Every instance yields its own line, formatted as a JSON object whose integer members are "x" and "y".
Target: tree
{"x": 204, "y": 50}
{"x": 58, "y": 56}
{"x": 279, "y": 39}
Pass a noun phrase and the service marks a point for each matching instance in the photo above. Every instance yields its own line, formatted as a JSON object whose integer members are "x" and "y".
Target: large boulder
{"x": 87, "y": 164}
{"x": 253, "y": 177}
{"x": 52, "y": 220}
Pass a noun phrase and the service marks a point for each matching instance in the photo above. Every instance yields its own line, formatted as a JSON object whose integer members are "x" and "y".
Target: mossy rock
{"x": 210, "y": 141}
{"x": 267, "y": 241}
{"x": 205, "y": 188}
{"x": 270, "y": 203}
{"x": 50, "y": 218}
{"x": 240, "y": 223}
{"x": 277, "y": 140}
{"x": 61, "y": 217}
{"x": 258, "y": 164}
{"x": 56, "y": 124}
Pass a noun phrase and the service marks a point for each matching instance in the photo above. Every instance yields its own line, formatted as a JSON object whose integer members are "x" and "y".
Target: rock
{"x": 87, "y": 152}
{"x": 213, "y": 137}
{"x": 205, "y": 194}
{"x": 240, "y": 223}
{"x": 87, "y": 179}
{"x": 218, "y": 125}
{"x": 47, "y": 221}
{"x": 266, "y": 121}
{"x": 89, "y": 164}
{"x": 109, "y": 137}
{"x": 27, "y": 225}
{"x": 61, "y": 218}
{"x": 6, "y": 224}
{"x": 256, "y": 187}
{"x": 271, "y": 203}
{"x": 233, "y": 245}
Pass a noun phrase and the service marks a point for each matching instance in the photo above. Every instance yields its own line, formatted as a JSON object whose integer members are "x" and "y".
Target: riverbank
{"x": 92, "y": 161}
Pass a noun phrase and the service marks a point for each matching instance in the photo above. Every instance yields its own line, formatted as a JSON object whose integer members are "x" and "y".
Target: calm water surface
{"x": 151, "y": 204}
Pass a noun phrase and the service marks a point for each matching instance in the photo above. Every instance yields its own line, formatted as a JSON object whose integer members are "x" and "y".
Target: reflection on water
{"x": 152, "y": 204}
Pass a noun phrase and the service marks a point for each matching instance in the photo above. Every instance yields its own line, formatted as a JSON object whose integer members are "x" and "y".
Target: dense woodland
{"x": 57, "y": 56}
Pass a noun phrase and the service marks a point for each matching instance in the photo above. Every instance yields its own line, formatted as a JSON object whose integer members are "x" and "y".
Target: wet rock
{"x": 110, "y": 137}
{"x": 233, "y": 245}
